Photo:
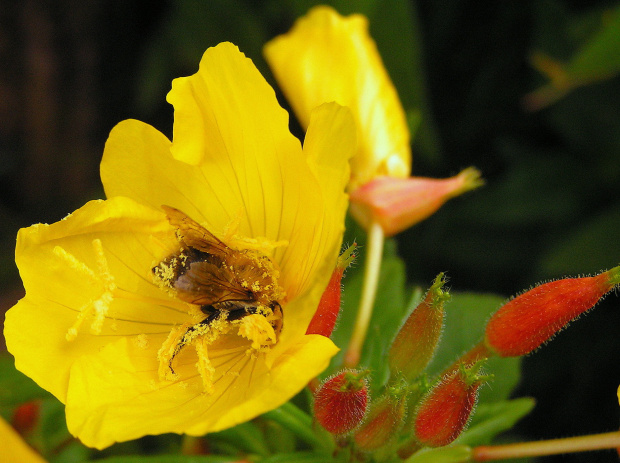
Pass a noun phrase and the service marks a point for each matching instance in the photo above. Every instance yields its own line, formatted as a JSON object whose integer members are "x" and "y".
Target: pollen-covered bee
{"x": 227, "y": 284}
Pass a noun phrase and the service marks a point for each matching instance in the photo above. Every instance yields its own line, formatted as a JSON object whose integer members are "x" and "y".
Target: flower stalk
{"x": 372, "y": 270}
{"x": 609, "y": 440}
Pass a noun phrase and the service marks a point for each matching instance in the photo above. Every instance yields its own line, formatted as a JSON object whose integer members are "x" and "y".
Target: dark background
{"x": 551, "y": 207}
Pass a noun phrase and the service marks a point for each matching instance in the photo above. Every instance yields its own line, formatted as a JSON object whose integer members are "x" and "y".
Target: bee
{"x": 227, "y": 284}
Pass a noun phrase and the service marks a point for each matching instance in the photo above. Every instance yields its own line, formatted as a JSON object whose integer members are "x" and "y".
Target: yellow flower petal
{"x": 113, "y": 397}
{"x": 59, "y": 266}
{"x": 259, "y": 178}
{"x": 327, "y": 57}
{"x": 315, "y": 240}
{"x": 14, "y": 448}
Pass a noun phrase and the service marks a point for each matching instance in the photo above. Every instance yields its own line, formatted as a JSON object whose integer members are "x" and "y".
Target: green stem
{"x": 372, "y": 269}
{"x": 610, "y": 440}
{"x": 300, "y": 424}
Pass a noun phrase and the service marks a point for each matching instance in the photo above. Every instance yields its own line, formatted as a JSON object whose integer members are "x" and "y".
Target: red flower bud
{"x": 26, "y": 417}
{"x": 326, "y": 315}
{"x": 531, "y": 319}
{"x": 416, "y": 341}
{"x": 398, "y": 203}
{"x": 340, "y": 401}
{"x": 384, "y": 421}
{"x": 444, "y": 411}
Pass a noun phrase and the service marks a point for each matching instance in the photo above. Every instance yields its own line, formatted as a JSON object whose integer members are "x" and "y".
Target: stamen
{"x": 167, "y": 352}
{"x": 97, "y": 307}
{"x": 74, "y": 263}
{"x": 201, "y": 336}
{"x": 204, "y": 365}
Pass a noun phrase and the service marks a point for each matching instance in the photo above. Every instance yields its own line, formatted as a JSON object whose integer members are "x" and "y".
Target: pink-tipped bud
{"x": 529, "y": 320}
{"x": 444, "y": 411}
{"x": 398, "y": 203}
{"x": 384, "y": 421}
{"x": 326, "y": 315}
{"x": 340, "y": 402}
{"x": 417, "y": 340}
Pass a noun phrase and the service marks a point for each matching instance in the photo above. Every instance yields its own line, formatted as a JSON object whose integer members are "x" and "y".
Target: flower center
{"x": 236, "y": 291}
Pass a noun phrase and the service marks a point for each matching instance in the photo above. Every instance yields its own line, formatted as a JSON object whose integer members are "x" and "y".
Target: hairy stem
{"x": 372, "y": 269}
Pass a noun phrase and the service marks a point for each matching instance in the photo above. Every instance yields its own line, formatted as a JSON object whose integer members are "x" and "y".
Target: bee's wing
{"x": 195, "y": 235}
{"x": 205, "y": 282}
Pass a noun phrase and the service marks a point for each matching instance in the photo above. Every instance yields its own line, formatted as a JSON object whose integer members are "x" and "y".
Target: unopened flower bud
{"x": 384, "y": 421}
{"x": 340, "y": 402}
{"x": 26, "y": 417}
{"x": 416, "y": 341}
{"x": 398, "y": 203}
{"x": 444, "y": 411}
{"x": 531, "y": 319}
{"x": 326, "y": 315}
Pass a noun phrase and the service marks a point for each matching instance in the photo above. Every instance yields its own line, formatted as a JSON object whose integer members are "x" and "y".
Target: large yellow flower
{"x": 104, "y": 328}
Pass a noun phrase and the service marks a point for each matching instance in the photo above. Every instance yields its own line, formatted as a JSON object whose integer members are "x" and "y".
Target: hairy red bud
{"x": 326, "y": 315}
{"x": 531, "y": 319}
{"x": 417, "y": 340}
{"x": 444, "y": 411}
{"x": 384, "y": 421}
{"x": 340, "y": 402}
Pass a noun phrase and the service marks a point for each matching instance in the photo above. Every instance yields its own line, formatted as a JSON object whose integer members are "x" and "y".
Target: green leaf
{"x": 15, "y": 387}
{"x": 170, "y": 459}
{"x": 300, "y": 424}
{"x": 466, "y": 316}
{"x": 53, "y": 432}
{"x": 296, "y": 457}
{"x": 600, "y": 56}
{"x": 453, "y": 454}
{"x": 492, "y": 419}
{"x": 279, "y": 438}
{"x": 72, "y": 452}
{"x": 245, "y": 436}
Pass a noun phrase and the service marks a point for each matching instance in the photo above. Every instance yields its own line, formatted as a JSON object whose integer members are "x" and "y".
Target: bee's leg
{"x": 237, "y": 314}
{"x": 208, "y": 309}
{"x": 194, "y": 331}
{"x": 277, "y": 320}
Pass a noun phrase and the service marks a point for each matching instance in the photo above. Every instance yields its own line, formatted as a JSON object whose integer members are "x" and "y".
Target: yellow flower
{"x": 14, "y": 448}
{"x": 328, "y": 57}
{"x": 107, "y": 325}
